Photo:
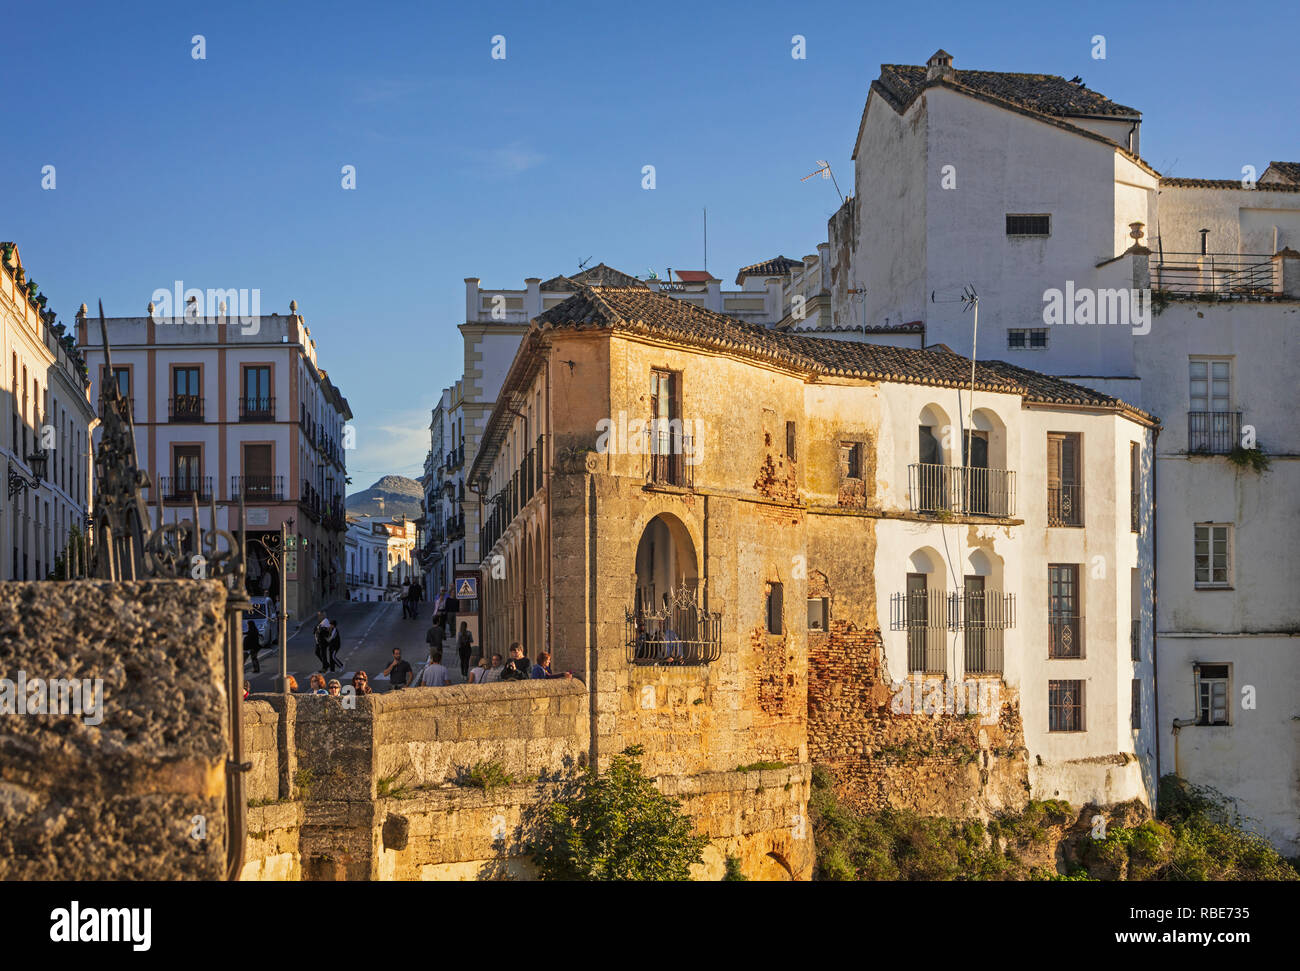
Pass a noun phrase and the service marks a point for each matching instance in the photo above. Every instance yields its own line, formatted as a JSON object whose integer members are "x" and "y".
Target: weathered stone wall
{"x": 115, "y": 800}
{"x": 933, "y": 762}
{"x": 374, "y": 792}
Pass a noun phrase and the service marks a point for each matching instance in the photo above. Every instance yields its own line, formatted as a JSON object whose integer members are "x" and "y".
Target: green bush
{"x": 485, "y": 775}
{"x": 619, "y": 827}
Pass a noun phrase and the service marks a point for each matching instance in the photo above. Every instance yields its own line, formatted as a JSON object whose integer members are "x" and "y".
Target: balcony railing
{"x": 1232, "y": 275}
{"x": 965, "y": 490}
{"x": 681, "y": 632}
{"x": 671, "y": 458}
{"x": 256, "y": 409}
{"x": 928, "y": 616}
{"x": 1213, "y": 432}
{"x": 185, "y": 487}
{"x": 185, "y": 408}
{"x": 257, "y": 488}
{"x": 1064, "y": 503}
{"x": 1064, "y": 636}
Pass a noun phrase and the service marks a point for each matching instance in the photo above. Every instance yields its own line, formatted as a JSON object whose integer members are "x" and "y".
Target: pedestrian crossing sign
{"x": 467, "y": 588}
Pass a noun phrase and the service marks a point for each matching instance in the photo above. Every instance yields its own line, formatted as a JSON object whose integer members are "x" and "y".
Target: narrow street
{"x": 369, "y": 633}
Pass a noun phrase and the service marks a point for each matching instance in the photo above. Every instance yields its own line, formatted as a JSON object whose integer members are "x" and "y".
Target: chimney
{"x": 939, "y": 66}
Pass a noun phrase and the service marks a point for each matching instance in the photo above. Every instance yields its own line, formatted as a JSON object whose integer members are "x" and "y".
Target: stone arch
{"x": 665, "y": 559}
{"x": 935, "y": 417}
{"x": 774, "y": 866}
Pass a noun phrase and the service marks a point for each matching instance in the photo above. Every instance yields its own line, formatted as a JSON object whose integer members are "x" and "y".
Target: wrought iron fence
{"x": 928, "y": 616}
{"x": 256, "y": 409}
{"x": 1064, "y": 503}
{"x": 1064, "y": 636}
{"x": 185, "y": 408}
{"x": 257, "y": 488}
{"x": 1213, "y": 432}
{"x": 1240, "y": 275}
{"x": 961, "y": 489}
{"x": 680, "y": 632}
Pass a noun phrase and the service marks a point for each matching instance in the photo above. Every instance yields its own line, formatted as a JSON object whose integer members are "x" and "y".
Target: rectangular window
{"x": 1212, "y": 694}
{"x": 1135, "y": 709}
{"x": 774, "y": 604}
{"x": 851, "y": 459}
{"x": 1210, "y": 384}
{"x": 1064, "y": 479}
{"x": 818, "y": 613}
{"x": 1134, "y": 487}
{"x": 668, "y": 445}
{"x": 1065, "y": 711}
{"x": 1213, "y": 555}
{"x": 790, "y": 440}
{"x": 256, "y": 399}
{"x": 187, "y": 470}
{"x": 1039, "y": 224}
{"x": 187, "y": 394}
{"x": 1020, "y": 338}
{"x": 1065, "y": 625}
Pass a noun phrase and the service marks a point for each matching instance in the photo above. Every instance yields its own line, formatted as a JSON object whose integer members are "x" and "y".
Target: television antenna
{"x": 582, "y": 264}
{"x": 826, "y": 173}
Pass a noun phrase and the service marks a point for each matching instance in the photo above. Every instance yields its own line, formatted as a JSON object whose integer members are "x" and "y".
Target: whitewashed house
{"x": 1031, "y": 189}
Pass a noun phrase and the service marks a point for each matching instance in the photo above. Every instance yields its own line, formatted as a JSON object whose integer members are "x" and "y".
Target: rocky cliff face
{"x": 401, "y": 497}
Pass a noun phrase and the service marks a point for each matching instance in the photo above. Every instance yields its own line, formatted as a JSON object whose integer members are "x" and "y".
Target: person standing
{"x": 435, "y": 672}
{"x": 517, "y": 668}
{"x": 464, "y": 645}
{"x": 335, "y": 644}
{"x": 493, "y": 673}
{"x": 252, "y": 645}
{"x": 440, "y": 608}
{"x": 322, "y": 637}
{"x": 452, "y": 607}
{"x": 413, "y": 599}
{"x": 399, "y": 671}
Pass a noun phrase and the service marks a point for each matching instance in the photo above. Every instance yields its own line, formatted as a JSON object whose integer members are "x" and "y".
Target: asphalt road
{"x": 369, "y": 632}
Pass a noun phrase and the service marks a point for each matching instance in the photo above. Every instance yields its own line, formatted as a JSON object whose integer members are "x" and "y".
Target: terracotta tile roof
{"x": 1047, "y": 94}
{"x": 641, "y": 311}
{"x": 1286, "y": 171}
{"x": 776, "y": 266}
{"x": 599, "y": 275}
{"x": 694, "y": 276}
{"x": 1228, "y": 184}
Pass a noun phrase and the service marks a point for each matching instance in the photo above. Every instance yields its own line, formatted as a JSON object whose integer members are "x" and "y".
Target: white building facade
{"x": 1031, "y": 190}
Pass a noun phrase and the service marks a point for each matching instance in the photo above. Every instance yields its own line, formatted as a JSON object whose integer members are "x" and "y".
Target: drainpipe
{"x": 1179, "y": 725}
{"x": 1155, "y": 587}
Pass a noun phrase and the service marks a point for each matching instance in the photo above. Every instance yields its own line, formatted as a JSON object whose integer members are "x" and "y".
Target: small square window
{"x": 818, "y": 613}
{"x": 1017, "y": 339}
{"x": 1038, "y": 337}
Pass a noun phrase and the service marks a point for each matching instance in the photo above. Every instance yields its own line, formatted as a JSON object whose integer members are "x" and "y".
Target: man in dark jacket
{"x": 517, "y": 668}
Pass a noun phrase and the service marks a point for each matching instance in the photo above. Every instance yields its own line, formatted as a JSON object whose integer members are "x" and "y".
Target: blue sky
{"x": 225, "y": 172}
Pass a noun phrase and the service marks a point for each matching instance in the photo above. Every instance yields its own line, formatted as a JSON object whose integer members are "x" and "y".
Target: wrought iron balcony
{"x": 1213, "y": 432}
{"x": 1064, "y": 503}
{"x": 962, "y": 490}
{"x": 927, "y": 617}
{"x": 680, "y": 633}
{"x": 185, "y": 408}
{"x": 671, "y": 459}
{"x": 176, "y": 488}
{"x": 257, "y": 488}
{"x": 1230, "y": 275}
{"x": 256, "y": 409}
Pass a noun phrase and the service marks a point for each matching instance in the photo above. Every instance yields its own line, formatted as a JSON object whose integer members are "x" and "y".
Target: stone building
{"x": 1183, "y": 299}
{"x": 798, "y": 500}
{"x": 226, "y": 407}
{"x": 380, "y": 556}
{"x": 47, "y": 422}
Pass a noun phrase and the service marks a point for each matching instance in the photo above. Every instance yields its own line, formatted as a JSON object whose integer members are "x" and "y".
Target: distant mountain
{"x": 401, "y": 497}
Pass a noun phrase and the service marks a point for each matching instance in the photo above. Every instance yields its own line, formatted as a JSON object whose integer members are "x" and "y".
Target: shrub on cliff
{"x": 618, "y": 827}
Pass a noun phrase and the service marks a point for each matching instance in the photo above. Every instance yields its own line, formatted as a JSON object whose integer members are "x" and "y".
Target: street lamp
{"x": 18, "y": 481}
